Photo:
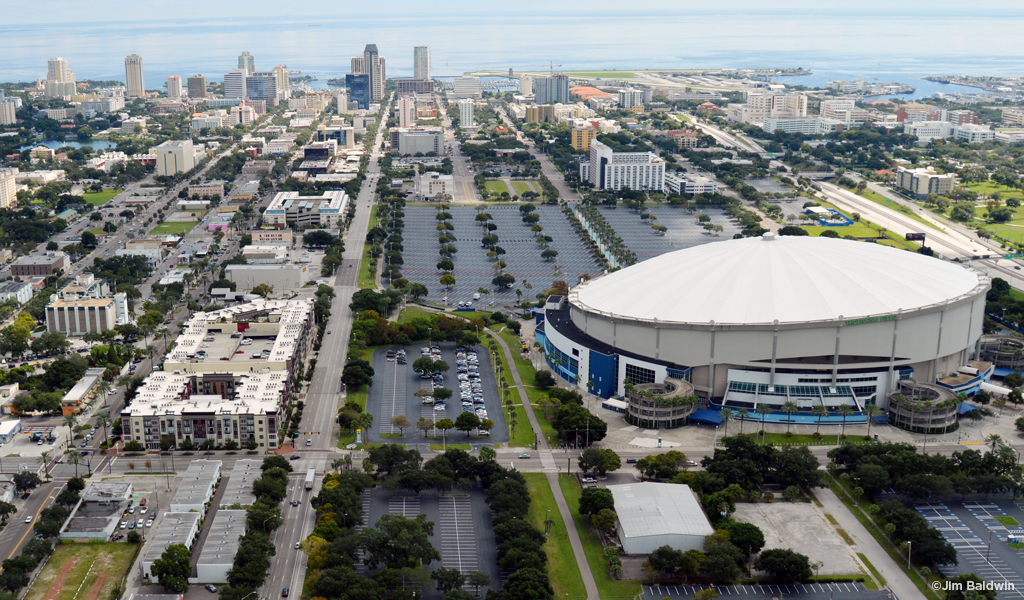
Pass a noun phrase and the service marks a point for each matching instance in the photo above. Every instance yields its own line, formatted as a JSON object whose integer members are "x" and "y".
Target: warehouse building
{"x": 651, "y": 515}
{"x": 219, "y": 549}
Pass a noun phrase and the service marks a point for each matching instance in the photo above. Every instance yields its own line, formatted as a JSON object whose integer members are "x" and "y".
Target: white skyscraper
{"x": 174, "y": 86}
{"x": 133, "y": 77}
{"x": 406, "y": 111}
{"x": 466, "y": 113}
{"x": 526, "y": 85}
{"x": 421, "y": 62}
{"x": 234, "y": 83}
{"x": 60, "y": 80}
{"x": 247, "y": 62}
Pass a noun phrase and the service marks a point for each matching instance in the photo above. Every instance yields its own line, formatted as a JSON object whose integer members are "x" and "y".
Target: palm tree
{"x": 871, "y": 411}
{"x": 995, "y": 439}
{"x": 70, "y": 421}
{"x": 764, "y": 410}
{"x": 821, "y": 411}
{"x": 742, "y": 415}
{"x": 844, "y": 411}
{"x": 789, "y": 407}
{"x": 726, "y": 414}
{"x": 44, "y": 459}
{"x": 75, "y": 458}
{"x": 103, "y": 420}
{"x": 103, "y": 389}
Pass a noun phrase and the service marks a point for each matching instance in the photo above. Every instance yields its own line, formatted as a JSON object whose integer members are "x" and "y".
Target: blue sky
{"x": 69, "y": 11}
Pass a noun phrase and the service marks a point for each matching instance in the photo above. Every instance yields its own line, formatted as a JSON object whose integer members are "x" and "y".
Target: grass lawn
{"x": 562, "y": 568}
{"x": 883, "y": 201}
{"x": 359, "y": 396}
{"x": 606, "y": 586}
{"x": 412, "y": 313}
{"x": 173, "y": 228}
{"x": 521, "y": 187}
{"x": 527, "y": 372}
{"x": 440, "y": 447}
{"x": 988, "y": 188}
{"x": 1008, "y": 521}
{"x": 862, "y": 229}
{"x": 367, "y": 277}
{"x": 799, "y": 439}
{"x": 98, "y": 198}
{"x": 82, "y": 572}
{"x": 97, "y": 231}
{"x": 496, "y": 186}
{"x": 523, "y": 435}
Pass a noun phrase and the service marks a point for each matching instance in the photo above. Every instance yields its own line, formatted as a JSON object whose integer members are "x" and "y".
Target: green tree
{"x": 448, "y": 579}
{"x": 599, "y": 460}
{"x": 398, "y": 542}
{"x": 173, "y": 568}
{"x": 593, "y": 500}
{"x": 784, "y": 565}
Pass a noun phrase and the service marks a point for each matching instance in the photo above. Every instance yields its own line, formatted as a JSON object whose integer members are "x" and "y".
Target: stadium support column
{"x": 977, "y": 343}
{"x": 938, "y": 346}
{"x": 711, "y": 365}
{"x": 835, "y": 357}
{"x": 775, "y": 345}
{"x": 892, "y": 354}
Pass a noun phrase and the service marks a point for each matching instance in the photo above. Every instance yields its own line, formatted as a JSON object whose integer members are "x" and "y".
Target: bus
{"x": 310, "y": 476}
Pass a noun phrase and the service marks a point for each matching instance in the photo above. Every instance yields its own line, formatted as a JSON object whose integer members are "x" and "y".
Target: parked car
{"x": 124, "y": 524}
{"x": 211, "y": 588}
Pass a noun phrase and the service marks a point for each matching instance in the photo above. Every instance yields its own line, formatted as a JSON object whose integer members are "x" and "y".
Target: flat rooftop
{"x": 197, "y": 482}
{"x": 238, "y": 489}
{"x": 647, "y": 509}
{"x": 222, "y": 540}
{"x": 175, "y": 528}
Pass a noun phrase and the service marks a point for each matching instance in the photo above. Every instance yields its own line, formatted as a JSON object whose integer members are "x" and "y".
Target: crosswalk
{"x": 458, "y": 537}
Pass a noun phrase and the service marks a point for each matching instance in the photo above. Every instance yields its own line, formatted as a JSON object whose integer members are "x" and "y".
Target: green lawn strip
{"x": 413, "y": 313}
{"x": 523, "y": 435}
{"x": 606, "y": 586}
{"x": 1008, "y": 521}
{"x": 521, "y": 187}
{"x": 440, "y": 447}
{"x": 496, "y": 186}
{"x": 176, "y": 228}
{"x": 880, "y": 537}
{"x": 367, "y": 279}
{"x": 988, "y": 188}
{"x": 874, "y": 572}
{"x": 562, "y": 568}
{"x": 111, "y": 559}
{"x": 799, "y": 439}
{"x": 359, "y": 396}
{"x": 98, "y": 198}
{"x": 527, "y": 373}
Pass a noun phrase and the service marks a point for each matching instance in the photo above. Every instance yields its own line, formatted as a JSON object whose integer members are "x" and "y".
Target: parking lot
{"x": 683, "y": 229}
{"x": 473, "y": 270}
{"x": 980, "y": 540}
{"x": 395, "y": 385}
{"x": 767, "y": 184}
{"x": 810, "y": 591}
{"x": 462, "y": 527}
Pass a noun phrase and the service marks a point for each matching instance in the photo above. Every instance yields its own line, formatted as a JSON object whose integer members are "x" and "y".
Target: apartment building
{"x": 406, "y": 111}
{"x": 553, "y": 89}
{"x": 924, "y": 181}
{"x": 540, "y": 114}
{"x": 8, "y": 188}
{"x": 466, "y": 117}
{"x": 174, "y": 87}
{"x": 1013, "y": 116}
{"x": 136, "y": 83}
{"x": 581, "y": 137}
{"x": 8, "y": 112}
{"x": 685, "y": 138}
{"x": 630, "y": 97}
{"x": 421, "y": 63}
{"x": 762, "y": 104}
{"x": 844, "y": 110}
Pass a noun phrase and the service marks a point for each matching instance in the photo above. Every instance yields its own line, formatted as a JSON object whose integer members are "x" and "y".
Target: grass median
{"x": 562, "y": 568}
{"x": 367, "y": 275}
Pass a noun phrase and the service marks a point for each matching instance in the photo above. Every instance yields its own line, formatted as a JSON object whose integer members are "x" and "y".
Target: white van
{"x": 476, "y": 296}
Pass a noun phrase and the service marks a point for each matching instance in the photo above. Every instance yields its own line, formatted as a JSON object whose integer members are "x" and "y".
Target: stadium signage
{"x": 870, "y": 320}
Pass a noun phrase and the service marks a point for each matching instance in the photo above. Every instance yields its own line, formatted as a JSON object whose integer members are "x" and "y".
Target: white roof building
{"x": 651, "y": 515}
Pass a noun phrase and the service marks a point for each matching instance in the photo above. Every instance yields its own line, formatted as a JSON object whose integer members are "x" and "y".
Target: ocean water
{"x": 892, "y": 48}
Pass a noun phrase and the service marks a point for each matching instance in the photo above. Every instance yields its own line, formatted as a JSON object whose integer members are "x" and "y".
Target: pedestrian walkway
{"x": 545, "y": 451}
{"x": 865, "y": 544}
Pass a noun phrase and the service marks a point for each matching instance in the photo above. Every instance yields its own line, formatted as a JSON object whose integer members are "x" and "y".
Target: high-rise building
{"x": 234, "y": 84}
{"x": 373, "y": 65}
{"x": 465, "y": 87}
{"x": 357, "y": 65}
{"x": 60, "y": 80}
{"x": 358, "y": 85}
{"x": 133, "y": 77}
{"x": 421, "y": 62}
{"x": 526, "y": 84}
{"x": 610, "y": 170}
{"x": 466, "y": 113}
{"x": 406, "y": 111}
{"x": 281, "y": 72}
{"x": 552, "y": 90}
{"x": 247, "y": 62}
{"x": 174, "y": 156}
{"x": 174, "y": 86}
{"x": 262, "y": 85}
{"x": 8, "y": 188}
{"x": 7, "y": 112}
{"x": 196, "y": 87}
{"x": 630, "y": 97}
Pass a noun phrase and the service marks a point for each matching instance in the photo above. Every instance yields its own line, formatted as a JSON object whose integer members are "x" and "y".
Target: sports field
{"x": 82, "y": 572}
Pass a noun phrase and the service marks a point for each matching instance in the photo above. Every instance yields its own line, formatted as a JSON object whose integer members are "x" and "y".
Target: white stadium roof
{"x": 646, "y": 509}
{"x": 789, "y": 278}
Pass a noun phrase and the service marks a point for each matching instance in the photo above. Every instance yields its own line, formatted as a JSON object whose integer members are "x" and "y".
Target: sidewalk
{"x": 563, "y": 507}
{"x": 869, "y": 547}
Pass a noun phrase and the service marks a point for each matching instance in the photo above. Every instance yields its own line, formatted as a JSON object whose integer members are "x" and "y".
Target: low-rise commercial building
{"x": 45, "y": 265}
{"x": 207, "y": 189}
{"x": 262, "y": 236}
{"x": 279, "y": 277}
{"x": 433, "y": 184}
{"x": 197, "y": 486}
{"x": 973, "y": 134}
{"x": 176, "y": 527}
{"x": 217, "y": 555}
{"x": 19, "y": 291}
{"x": 98, "y": 513}
{"x": 681, "y": 183}
{"x": 238, "y": 487}
{"x": 651, "y": 515}
{"x": 83, "y": 393}
{"x": 407, "y": 141}
{"x": 174, "y": 156}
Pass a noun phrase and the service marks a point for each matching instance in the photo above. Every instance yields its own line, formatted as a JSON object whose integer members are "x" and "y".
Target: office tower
{"x": 7, "y": 110}
{"x": 234, "y": 84}
{"x": 262, "y": 86}
{"x": 465, "y": 87}
{"x": 60, "y": 80}
{"x": 421, "y": 62}
{"x": 406, "y": 111}
{"x": 357, "y": 65}
{"x": 281, "y": 72}
{"x": 133, "y": 78}
{"x": 358, "y": 89}
{"x": 526, "y": 85}
{"x": 247, "y": 62}
{"x": 174, "y": 86}
{"x": 466, "y": 113}
{"x": 551, "y": 90}
{"x": 373, "y": 65}
{"x": 196, "y": 87}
